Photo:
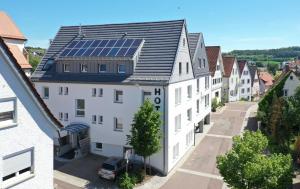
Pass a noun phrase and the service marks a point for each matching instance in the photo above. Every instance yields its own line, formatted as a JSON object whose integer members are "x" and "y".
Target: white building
{"x": 26, "y": 129}
{"x": 216, "y": 69}
{"x": 254, "y": 81}
{"x": 245, "y": 81}
{"x": 115, "y": 67}
{"x": 230, "y": 79}
{"x": 15, "y": 40}
{"x": 292, "y": 82}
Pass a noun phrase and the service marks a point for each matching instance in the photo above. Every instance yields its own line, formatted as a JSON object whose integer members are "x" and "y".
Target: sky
{"x": 232, "y": 24}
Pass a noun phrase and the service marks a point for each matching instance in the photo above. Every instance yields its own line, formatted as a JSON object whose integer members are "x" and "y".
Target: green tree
{"x": 246, "y": 166}
{"x": 272, "y": 68}
{"x": 145, "y": 132}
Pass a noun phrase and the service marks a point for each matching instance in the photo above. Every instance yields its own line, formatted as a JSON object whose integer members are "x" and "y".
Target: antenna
{"x": 80, "y": 32}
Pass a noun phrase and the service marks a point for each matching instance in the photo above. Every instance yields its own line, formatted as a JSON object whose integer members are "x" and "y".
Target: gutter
{"x": 165, "y": 143}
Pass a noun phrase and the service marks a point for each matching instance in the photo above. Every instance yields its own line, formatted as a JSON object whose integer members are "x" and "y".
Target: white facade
{"x": 291, "y": 84}
{"x": 245, "y": 84}
{"x": 26, "y": 155}
{"x": 255, "y": 86}
{"x": 231, "y": 85}
{"x": 176, "y": 101}
{"x": 216, "y": 89}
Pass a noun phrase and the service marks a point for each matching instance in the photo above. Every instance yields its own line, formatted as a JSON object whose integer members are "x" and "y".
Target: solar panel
{"x": 102, "y": 48}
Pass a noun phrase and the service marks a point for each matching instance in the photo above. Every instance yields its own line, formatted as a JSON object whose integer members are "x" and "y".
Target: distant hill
{"x": 35, "y": 55}
{"x": 272, "y": 56}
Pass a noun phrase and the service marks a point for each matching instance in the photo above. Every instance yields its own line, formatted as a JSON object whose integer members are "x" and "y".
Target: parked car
{"x": 112, "y": 167}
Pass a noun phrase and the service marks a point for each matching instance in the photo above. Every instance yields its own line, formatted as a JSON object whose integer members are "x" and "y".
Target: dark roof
{"x": 193, "y": 39}
{"x": 241, "y": 64}
{"x": 253, "y": 71}
{"x": 156, "y": 58}
{"x": 212, "y": 53}
{"x": 228, "y": 62}
{"x": 28, "y": 83}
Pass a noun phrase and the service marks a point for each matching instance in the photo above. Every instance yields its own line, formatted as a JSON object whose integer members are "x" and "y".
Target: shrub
{"x": 214, "y": 105}
{"x": 138, "y": 176}
{"x": 125, "y": 181}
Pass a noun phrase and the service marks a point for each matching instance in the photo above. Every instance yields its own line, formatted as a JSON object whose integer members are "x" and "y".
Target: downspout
{"x": 165, "y": 154}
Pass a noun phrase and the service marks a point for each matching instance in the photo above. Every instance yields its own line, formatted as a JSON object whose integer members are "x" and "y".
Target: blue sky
{"x": 233, "y": 24}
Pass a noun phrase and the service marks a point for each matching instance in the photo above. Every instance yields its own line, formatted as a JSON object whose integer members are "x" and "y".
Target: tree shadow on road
{"x": 252, "y": 124}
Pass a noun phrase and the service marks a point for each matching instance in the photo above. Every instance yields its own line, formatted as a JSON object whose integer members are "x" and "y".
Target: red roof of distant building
{"x": 266, "y": 77}
{"x": 228, "y": 62}
{"x": 8, "y": 28}
{"x": 212, "y": 53}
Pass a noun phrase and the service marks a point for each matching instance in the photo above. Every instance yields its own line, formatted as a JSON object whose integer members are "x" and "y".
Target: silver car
{"x": 112, "y": 167}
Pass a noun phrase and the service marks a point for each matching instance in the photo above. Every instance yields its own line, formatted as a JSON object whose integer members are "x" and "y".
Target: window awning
{"x": 75, "y": 127}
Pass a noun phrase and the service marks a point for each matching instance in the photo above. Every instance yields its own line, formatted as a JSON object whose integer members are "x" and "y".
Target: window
{"x": 177, "y": 123}
{"x": 291, "y": 77}
{"x": 48, "y": 64}
{"x": 176, "y": 151}
{"x": 203, "y": 63}
{"x": 217, "y": 94}
{"x": 243, "y": 81}
{"x": 177, "y": 96}
{"x": 118, "y": 96}
{"x": 206, "y": 82}
{"x": 197, "y": 106}
{"x": 146, "y": 95}
{"x": 118, "y": 126}
{"x": 207, "y": 100}
{"x": 187, "y": 67}
{"x": 100, "y": 119}
{"x": 66, "y": 116}
{"x": 45, "y": 92}
{"x": 285, "y": 91}
{"x": 60, "y": 90}
{"x": 66, "y": 67}
{"x": 94, "y": 119}
{"x": 66, "y": 90}
{"x": 248, "y": 80}
{"x": 98, "y": 146}
{"x": 94, "y": 92}
{"x": 189, "y": 91}
{"x": 17, "y": 165}
{"x": 248, "y": 89}
{"x": 245, "y": 72}
{"x": 218, "y": 67}
{"x": 80, "y": 106}
{"x": 189, "y": 114}
{"x": 199, "y": 62}
{"x": 8, "y": 110}
{"x": 198, "y": 85}
{"x": 102, "y": 67}
{"x": 83, "y": 68}
{"x": 100, "y": 92}
{"x": 180, "y": 68}
{"x": 121, "y": 68}
{"x": 243, "y": 91}
{"x": 60, "y": 116}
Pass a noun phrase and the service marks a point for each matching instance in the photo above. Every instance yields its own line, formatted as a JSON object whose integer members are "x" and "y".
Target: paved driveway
{"x": 199, "y": 171}
{"x": 81, "y": 173}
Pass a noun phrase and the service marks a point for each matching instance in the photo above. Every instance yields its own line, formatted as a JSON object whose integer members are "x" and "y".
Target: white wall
{"x": 33, "y": 130}
{"x": 291, "y": 84}
{"x": 255, "y": 87}
{"x": 217, "y": 87}
{"x": 246, "y": 77}
{"x": 17, "y": 42}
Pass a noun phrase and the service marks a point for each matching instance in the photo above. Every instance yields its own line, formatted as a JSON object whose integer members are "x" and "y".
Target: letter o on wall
{"x": 157, "y": 100}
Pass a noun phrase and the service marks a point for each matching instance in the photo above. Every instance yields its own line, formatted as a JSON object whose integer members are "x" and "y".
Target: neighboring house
{"x": 27, "y": 129}
{"x": 15, "y": 40}
{"x": 230, "y": 79}
{"x": 254, "y": 82}
{"x": 216, "y": 69}
{"x": 291, "y": 84}
{"x": 265, "y": 81}
{"x": 103, "y": 73}
{"x": 245, "y": 81}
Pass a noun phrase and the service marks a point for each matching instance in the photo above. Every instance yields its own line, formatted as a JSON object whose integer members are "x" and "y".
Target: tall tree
{"x": 145, "y": 132}
{"x": 246, "y": 166}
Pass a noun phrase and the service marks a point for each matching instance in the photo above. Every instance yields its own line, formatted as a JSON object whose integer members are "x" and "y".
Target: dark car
{"x": 112, "y": 167}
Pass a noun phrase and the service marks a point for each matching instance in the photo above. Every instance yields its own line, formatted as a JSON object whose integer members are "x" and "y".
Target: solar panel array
{"x": 102, "y": 48}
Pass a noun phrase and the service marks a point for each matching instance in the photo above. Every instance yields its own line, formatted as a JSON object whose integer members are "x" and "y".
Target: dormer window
{"x": 121, "y": 68}
{"x": 83, "y": 68}
{"x": 48, "y": 64}
{"x": 102, "y": 67}
{"x": 66, "y": 67}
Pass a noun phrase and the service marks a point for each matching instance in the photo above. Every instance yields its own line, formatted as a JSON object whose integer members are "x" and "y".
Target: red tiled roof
{"x": 29, "y": 83}
{"x": 22, "y": 61}
{"x": 266, "y": 78}
{"x": 8, "y": 28}
{"x": 241, "y": 64}
{"x": 212, "y": 53}
{"x": 228, "y": 62}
